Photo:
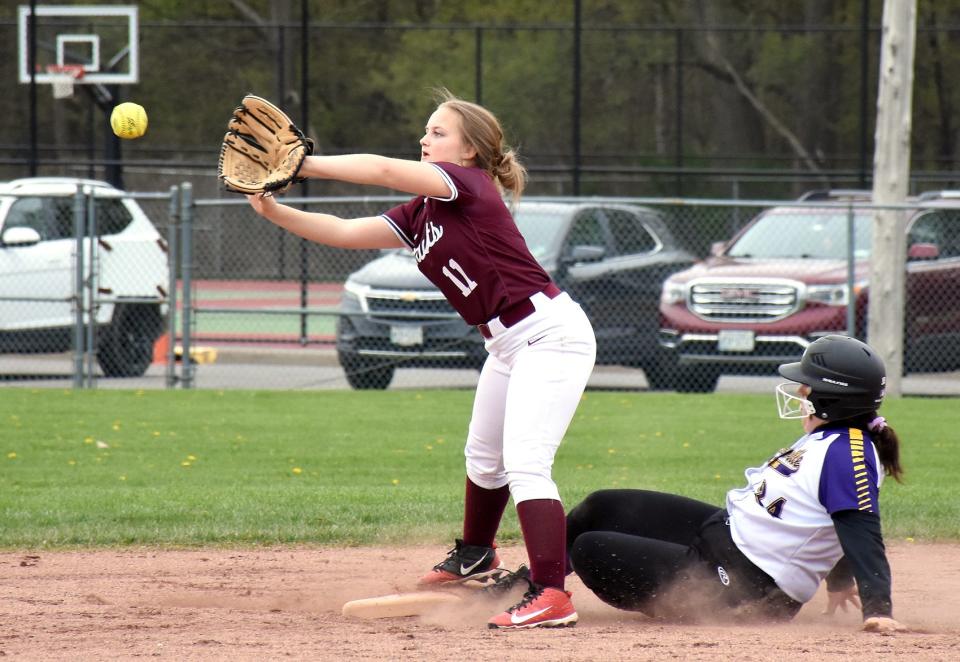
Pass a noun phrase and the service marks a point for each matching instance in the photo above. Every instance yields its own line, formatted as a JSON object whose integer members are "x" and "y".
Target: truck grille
{"x": 407, "y": 307}
{"x": 743, "y": 301}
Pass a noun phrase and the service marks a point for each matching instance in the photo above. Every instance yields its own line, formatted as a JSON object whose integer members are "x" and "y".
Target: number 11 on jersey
{"x": 460, "y": 279}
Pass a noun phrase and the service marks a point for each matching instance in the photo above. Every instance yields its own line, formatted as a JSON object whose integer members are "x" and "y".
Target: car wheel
{"x": 367, "y": 375}
{"x": 125, "y": 348}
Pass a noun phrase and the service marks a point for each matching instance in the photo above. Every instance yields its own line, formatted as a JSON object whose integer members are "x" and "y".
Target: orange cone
{"x": 160, "y": 348}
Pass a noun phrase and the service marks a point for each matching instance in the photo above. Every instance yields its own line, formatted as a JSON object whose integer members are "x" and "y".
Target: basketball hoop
{"x": 63, "y": 76}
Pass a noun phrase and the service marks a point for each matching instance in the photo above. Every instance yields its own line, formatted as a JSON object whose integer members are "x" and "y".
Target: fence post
{"x": 577, "y": 91}
{"x": 173, "y": 241}
{"x": 186, "y": 257}
{"x": 91, "y": 232}
{"x": 851, "y": 295}
{"x": 478, "y": 64}
{"x": 78, "y": 335}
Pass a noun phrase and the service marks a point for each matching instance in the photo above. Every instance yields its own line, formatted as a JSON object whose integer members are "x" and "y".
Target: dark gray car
{"x": 611, "y": 258}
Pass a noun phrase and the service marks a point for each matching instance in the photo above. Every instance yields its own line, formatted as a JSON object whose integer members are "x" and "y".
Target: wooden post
{"x": 891, "y": 181}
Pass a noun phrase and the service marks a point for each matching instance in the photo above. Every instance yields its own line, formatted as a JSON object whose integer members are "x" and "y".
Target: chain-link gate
{"x": 84, "y": 281}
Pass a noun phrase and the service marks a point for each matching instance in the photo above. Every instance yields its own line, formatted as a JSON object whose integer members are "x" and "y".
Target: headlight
{"x": 354, "y": 294}
{"x": 833, "y": 294}
{"x": 673, "y": 292}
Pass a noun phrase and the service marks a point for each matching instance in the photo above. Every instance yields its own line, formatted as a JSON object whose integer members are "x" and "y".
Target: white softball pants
{"x": 528, "y": 391}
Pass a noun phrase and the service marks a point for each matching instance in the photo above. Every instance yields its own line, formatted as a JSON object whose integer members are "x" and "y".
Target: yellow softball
{"x": 129, "y": 120}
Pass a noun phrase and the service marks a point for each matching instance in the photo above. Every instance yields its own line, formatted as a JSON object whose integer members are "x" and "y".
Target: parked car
{"x": 38, "y": 272}
{"x": 781, "y": 283}
{"x": 611, "y": 258}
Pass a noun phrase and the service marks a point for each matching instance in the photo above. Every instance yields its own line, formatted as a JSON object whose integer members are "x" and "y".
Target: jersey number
{"x": 775, "y": 507}
{"x": 460, "y": 279}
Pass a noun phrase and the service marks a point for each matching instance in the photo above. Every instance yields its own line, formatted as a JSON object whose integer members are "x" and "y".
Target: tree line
{"x": 660, "y": 97}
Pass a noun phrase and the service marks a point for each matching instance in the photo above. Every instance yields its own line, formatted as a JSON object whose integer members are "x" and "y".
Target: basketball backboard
{"x": 103, "y": 39}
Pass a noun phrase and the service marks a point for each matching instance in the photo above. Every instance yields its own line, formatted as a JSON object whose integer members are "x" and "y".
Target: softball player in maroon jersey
{"x": 809, "y": 513}
{"x": 541, "y": 345}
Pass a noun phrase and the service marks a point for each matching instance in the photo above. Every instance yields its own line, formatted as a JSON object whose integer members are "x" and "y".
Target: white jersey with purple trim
{"x": 782, "y": 519}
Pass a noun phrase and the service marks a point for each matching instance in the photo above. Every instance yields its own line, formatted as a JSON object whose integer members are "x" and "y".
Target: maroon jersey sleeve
{"x": 400, "y": 220}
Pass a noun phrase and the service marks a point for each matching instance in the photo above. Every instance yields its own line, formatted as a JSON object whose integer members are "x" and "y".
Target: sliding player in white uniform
{"x": 809, "y": 513}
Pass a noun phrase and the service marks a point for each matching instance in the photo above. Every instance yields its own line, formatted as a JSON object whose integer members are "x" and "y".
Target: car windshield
{"x": 542, "y": 230}
{"x": 805, "y": 233}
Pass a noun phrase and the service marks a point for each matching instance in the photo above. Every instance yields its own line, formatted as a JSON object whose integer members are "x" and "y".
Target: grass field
{"x": 195, "y": 468}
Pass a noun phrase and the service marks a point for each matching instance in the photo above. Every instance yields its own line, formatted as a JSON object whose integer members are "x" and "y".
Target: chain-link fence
{"x": 84, "y": 281}
{"x": 799, "y": 270}
{"x": 687, "y": 295}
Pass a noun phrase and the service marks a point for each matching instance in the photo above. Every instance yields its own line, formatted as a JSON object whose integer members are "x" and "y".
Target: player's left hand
{"x": 262, "y": 203}
{"x": 840, "y": 599}
{"x": 883, "y": 625}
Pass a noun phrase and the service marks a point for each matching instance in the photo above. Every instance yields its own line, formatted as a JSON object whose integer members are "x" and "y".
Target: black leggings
{"x": 667, "y": 556}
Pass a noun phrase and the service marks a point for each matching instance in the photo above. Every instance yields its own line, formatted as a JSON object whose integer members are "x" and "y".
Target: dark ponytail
{"x": 885, "y": 439}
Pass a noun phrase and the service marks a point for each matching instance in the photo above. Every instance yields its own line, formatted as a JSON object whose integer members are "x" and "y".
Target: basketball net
{"x": 64, "y": 76}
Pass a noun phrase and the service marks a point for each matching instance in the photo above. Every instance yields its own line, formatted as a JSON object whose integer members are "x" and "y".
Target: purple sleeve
{"x": 848, "y": 480}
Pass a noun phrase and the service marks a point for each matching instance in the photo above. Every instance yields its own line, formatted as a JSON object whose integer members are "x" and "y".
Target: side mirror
{"x": 923, "y": 251}
{"x": 717, "y": 248}
{"x": 585, "y": 254}
{"x": 20, "y": 236}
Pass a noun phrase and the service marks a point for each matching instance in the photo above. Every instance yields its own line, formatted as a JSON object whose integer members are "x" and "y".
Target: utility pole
{"x": 891, "y": 182}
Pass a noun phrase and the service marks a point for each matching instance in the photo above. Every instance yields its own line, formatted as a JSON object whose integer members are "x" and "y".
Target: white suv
{"x": 38, "y": 272}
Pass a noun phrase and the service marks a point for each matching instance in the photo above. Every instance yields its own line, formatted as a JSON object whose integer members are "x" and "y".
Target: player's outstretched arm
{"x": 416, "y": 177}
{"x": 370, "y": 232}
{"x": 862, "y": 542}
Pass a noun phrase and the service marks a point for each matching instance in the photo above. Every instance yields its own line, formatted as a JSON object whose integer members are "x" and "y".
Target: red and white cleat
{"x": 540, "y": 608}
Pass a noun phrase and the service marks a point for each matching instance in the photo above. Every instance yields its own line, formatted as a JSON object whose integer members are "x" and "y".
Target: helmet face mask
{"x": 845, "y": 377}
{"x": 791, "y": 404}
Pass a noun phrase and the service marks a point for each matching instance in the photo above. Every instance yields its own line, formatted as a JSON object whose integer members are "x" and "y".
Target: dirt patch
{"x": 275, "y": 603}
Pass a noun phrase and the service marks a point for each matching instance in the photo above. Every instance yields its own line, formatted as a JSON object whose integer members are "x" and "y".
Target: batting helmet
{"x": 845, "y": 376}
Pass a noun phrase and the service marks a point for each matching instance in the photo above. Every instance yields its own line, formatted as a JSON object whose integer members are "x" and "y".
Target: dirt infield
{"x": 268, "y": 604}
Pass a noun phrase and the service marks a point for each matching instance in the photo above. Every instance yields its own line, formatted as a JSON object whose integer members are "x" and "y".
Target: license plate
{"x": 735, "y": 341}
{"x": 406, "y": 335}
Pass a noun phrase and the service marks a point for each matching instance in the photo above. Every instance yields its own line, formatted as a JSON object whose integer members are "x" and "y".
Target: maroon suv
{"x": 782, "y": 282}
